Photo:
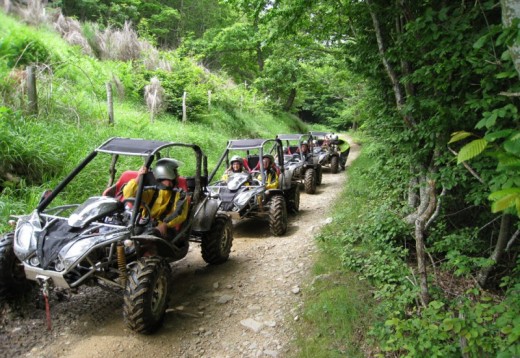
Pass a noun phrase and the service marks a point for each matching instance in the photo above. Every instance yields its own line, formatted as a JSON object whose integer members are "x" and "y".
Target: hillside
{"x": 72, "y": 116}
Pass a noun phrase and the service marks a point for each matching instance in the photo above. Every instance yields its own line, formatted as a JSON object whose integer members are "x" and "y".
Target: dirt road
{"x": 246, "y": 307}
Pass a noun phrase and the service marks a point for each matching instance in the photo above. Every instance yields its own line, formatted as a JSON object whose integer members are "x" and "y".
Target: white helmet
{"x": 236, "y": 158}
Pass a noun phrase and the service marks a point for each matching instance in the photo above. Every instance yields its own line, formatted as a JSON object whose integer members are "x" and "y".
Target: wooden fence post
{"x": 31, "y": 90}
{"x": 110, "y": 103}
{"x": 184, "y": 117}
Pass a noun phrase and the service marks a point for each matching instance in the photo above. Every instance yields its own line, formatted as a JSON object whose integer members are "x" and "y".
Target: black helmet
{"x": 270, "y": 157}
{"x": 166, "y": 168}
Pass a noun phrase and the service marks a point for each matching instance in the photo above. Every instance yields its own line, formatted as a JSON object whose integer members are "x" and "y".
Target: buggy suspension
{"x": 121, "y": 263}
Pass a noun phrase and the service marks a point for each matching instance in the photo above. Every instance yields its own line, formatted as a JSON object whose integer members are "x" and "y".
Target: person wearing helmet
{"x": 236, "y": 165}
{"x": 168, "y": 204}
{"x": 270, "y": 172}
{"x": 305, "y": 149}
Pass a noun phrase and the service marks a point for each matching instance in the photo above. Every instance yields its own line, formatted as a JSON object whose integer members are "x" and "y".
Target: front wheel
{"x": 278, "y": 215}
{"x": 12, "y": 275}
{"x": 216, "y": 243}
{"x": 310, "y": 181}
{"x": 334, "y": 164}
{"x": 146, "y": 294}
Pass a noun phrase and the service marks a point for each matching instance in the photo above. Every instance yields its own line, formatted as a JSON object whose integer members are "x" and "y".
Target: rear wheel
{"x": 146, "y": 294}
{"x": 293, "y": 198}
{"x": 216, "y": 243}
{"x": 334, "y": 164}
{"x": 278, "y": 215}
{"x": 310, "y": 181}
{"x": 319, "y": 175}
{"x": 12, "y": 276}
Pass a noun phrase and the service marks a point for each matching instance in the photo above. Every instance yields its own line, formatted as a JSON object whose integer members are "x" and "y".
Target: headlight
{"x": 243, "y": 198}
{"x": 26, "y": 235}
{"x": 214, "y": 192}
{"x": 71, "y": 253}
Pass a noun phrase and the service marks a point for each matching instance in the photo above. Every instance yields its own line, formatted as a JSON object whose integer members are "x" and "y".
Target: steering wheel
{"x": 140, "y": 219}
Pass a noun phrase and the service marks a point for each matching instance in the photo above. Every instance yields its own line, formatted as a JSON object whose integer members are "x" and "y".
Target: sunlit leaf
{"x": 456, "y": 136}
{"x": 505, "y": 202}
{"x": 502, "y": 193}
{"x": 471, "y": 150}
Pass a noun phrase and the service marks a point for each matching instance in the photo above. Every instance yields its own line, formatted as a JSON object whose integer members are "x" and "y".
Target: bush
{"x": 20, "y": 50}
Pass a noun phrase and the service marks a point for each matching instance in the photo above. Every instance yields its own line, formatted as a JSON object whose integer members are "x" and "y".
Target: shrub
{"x": 22, "y": 49}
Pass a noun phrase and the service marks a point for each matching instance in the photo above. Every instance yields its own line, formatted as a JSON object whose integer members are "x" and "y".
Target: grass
{"x": 336, "y": 313}
{"x": 338, "y": 308}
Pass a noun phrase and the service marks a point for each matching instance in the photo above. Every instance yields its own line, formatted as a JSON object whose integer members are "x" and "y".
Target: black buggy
{"x": 245, "y": 195}
{"x": 327, "y": 150}
{"x": 101, "y": 241}
{"x": 303, "y": 168}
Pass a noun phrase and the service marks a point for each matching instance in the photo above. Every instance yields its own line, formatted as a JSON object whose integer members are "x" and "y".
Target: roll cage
{"x": 254, "y": 150}
{"x": 149, "y": 150}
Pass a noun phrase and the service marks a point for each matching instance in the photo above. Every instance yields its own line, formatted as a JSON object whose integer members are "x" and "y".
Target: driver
{"x": 236, "y": 166}
{"x": 305, "y": 149}
{"x": 168, "y": 204}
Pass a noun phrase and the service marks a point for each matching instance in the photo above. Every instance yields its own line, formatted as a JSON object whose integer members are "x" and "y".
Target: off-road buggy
{"x": 245, "y": 195}
{"x": 100, "y": 241}
{"x": 304, "y": 167}
{"x": 327, "y": 151}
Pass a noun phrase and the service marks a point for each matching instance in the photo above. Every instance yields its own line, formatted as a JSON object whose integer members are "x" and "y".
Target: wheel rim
{"x": 159, "y": 295}
{"x": 225, "y": 239}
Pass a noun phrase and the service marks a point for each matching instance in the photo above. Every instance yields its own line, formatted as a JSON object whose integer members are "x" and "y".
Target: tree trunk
{"x": 392, "y": 74}
{"x": 503, "y": 237}
{"x": 427, "y": 196}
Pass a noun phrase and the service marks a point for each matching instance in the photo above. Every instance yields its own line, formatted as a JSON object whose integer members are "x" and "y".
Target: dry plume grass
{"x": 152, "y": 58}
{"x": 154, "y": 97}
{"x": 70, "y": 30}
{"x": 123, "y": 45}
{"x": 31, "y": 11}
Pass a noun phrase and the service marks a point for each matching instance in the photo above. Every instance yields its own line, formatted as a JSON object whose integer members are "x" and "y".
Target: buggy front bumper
{"x": 38, "y": 274}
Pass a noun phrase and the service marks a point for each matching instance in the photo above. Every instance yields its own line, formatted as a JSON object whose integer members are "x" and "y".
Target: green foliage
{"x": 20, "y": 50}
{"x": 23, "y": 155}
{"x": 485, "y": 328}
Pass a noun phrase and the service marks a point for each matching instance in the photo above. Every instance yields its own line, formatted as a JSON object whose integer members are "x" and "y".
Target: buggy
{"x": 326, "y": 150}
{"x": 101, "y": 240}
{"x": 245, "y": 195}
{"x": 303, "y": 166}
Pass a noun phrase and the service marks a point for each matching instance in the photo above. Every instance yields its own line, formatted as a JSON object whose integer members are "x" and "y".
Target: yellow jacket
{"x": 271, "y": 179}
{"x": 161, "y": 203}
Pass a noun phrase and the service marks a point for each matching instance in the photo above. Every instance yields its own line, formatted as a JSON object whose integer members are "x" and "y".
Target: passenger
{"x": 168, "y": 204}
{"x": 271, "y": 175}
{"x": 236, "y": 166}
